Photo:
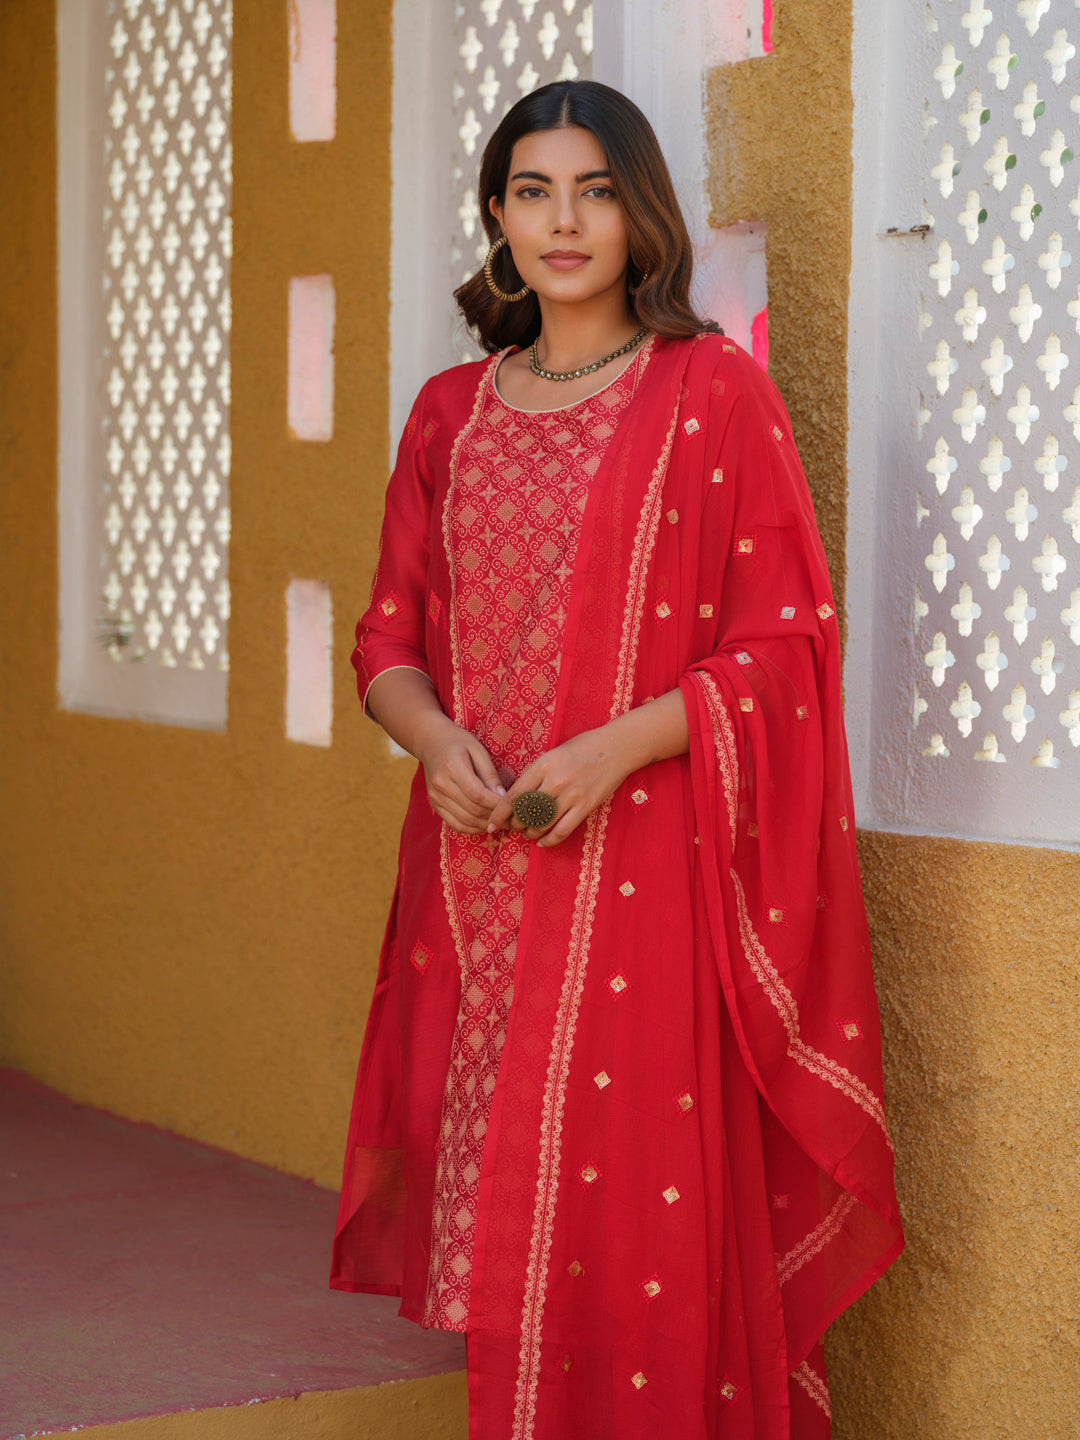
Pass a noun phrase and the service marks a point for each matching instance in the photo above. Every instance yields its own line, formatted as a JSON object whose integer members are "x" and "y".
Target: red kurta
{"x": 619, "y": 1107}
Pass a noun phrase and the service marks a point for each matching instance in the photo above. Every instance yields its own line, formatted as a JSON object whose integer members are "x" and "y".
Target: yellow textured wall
{"x": 191, "y": 920}
{"x": 975, "y": 1333}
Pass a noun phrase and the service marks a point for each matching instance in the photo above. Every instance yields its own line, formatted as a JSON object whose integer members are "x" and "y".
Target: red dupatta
{"x": 686, "y": 1173}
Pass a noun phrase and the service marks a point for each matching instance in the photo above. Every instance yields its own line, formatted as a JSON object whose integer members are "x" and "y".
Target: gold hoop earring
{"x": 633, "y": 289}
{"x": 490, "y": 278}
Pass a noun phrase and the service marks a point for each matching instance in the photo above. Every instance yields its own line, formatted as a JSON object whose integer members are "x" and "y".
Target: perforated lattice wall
{"x": 996, "y": 611}
{"x": 165, "y": 435}
{"x": 505, "y": 49}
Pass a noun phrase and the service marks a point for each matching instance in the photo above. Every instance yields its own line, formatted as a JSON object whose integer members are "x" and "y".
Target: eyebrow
{"x": 546, "y": 179}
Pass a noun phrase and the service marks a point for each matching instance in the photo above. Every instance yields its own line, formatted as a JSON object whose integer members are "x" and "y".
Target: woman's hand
{"x": 462, "y": 782}
{"x": 579, "y": 776}
{"x": 583, "y": 772}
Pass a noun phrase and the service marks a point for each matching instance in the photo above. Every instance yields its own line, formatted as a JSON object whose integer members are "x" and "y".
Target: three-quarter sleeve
{"x": 391, "y": 632}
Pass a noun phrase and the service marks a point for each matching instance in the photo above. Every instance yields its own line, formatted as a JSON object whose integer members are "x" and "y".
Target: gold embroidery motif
{"x": 434, "y": 607}
{"x": 638, "y": 1380}
{"x": 843, "y": 822}
{"x": 617, "y": 983}
{"x": 718, "y": 477}
{"x": 824, "y": 612}
{"x": 685, "y": 1102}
{"x": 692, "y": 426}
{"x": 652, "y": 1287}
{"x": 746, "y": 702}
{"x": 783, "y": 1002}
{"x": 814, "y": 1385}
{"x": 588, "y": 1173}
{"x": 743, "y": 657}
{"x": 729, "y": 347}
{"x": 744, "y": 545}
{"x": 644, "y": 545}
{"x": 565, "y": 1362}
{"x": 673, "y": 517}
{"x": 602, "y": 1080}
{"x": 813, "y": 1244}
{"x": 776, "y": 915}
{"x": 849, "y": 1029}
{"x": 777, "y": 433}
{"x": 626, "y": 889}
{"x": 788, "y": 612}
{"x": 663, "y": 611}
{"x": 670, "y": 1194}
{"x": 640, "y": 796}
{"x": 802, "y": 712}
{"x": 540, "y": 1240}
{"x": 576, "y": 1268}
{"x": 388, "y": 605}
{"x": 728, "y": 1390}
{"x": 705, "y": 612}
{"x": 727, "y": 754}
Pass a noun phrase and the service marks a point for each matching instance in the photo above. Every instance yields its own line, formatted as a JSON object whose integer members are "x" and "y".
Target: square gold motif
{"x": 576, "y": 1268}
{"x": 745, "y": 545}
{"x": 776, "y": 915}
{"x": 663, "y": 610}
{"x": 746, "y": 702}
{"x": 692, "y": 426}
{"x": 617, "y": 983}
{"x": 388, "y": 606}
{"x": 638, "y": 1380}
{"x": 626, "y": 889}
{"x": 640, "y": 796}
{"x": 825, "y": 611}
{"x": 602, "y": 1080}
{"x": 670, "y": 1194}
{"x": 588, "y": 1174}
{"x": 718, "y": 477}
{"x": 705, "y": 612}
{"x": 565, "y": 1362}
{"x": 788, "y": 612}
{"x": 777, "y": 433}
{"x": 685, "y": 1102}
{"x": 843, "y": 822}
{"x": 802, "y": 712}
{"x": 673, "y": 517}
{"x": 652, "y": 1287}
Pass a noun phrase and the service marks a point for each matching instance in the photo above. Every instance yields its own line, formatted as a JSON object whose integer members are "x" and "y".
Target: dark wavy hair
{"x": 661, "y": 257}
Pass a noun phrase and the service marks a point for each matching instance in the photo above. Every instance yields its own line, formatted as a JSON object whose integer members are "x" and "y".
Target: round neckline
{"x": 645, "y": 345}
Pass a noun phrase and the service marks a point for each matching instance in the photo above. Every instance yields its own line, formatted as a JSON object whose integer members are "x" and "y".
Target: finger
{"x": 485, "y": 769}
{"x": 562, "y": 829}
{"x": 462, "y": 772}
{"x": 460, "y": 821}
{"x": 530, "y": 779}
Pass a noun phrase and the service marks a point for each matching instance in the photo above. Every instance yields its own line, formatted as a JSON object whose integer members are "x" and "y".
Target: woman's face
{"x": 567, "y": 231}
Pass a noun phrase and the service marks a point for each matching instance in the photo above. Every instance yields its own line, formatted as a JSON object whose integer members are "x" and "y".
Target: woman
{"x": 619, "y": 1110}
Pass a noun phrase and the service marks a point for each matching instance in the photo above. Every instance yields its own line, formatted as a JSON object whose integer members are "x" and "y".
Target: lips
{"x": 565, "y": 259}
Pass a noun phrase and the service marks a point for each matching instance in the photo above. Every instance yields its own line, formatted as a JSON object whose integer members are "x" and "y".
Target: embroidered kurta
{"x": 619, "y": 1106}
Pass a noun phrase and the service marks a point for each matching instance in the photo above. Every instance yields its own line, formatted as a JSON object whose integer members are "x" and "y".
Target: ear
{"x": 494, "y": 208}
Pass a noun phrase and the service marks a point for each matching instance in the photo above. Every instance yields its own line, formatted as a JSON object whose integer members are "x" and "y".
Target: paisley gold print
{"x": 519, "y": 483}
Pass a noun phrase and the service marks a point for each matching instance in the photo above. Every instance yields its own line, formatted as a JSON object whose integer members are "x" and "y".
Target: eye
{"x": 529, "y": 192}
{"x": 600, "y": 192}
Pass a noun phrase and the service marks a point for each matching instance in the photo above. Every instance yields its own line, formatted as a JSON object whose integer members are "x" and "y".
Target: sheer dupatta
{"x": 686, "y": 1173}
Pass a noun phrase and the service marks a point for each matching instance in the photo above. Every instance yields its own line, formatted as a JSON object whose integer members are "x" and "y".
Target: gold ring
{"x": 535, "y": 810}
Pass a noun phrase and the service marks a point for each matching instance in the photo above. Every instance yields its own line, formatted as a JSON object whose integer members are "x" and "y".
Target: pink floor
{"x": 141, "y": 1274}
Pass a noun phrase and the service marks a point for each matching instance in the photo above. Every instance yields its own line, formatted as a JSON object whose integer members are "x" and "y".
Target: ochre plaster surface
{"x": 779, "y": 139}
{"x": 975, "y": 1332}
{"x": 191, "y": 920}
{"x": 432, "y": 1409}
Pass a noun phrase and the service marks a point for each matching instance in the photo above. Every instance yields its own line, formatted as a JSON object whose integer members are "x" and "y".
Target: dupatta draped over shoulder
{"x": 686, "y": 1173}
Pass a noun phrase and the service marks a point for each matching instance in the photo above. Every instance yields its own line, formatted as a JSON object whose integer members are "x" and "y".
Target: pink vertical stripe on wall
{"x": 311, "y": 357}
{"x": 312, "y": 69}
{"x": 766, "y": 25}
{"x": 759, "y": 337}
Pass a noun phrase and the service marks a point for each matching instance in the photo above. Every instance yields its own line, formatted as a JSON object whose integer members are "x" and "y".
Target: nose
{"x": 566, "y": 220}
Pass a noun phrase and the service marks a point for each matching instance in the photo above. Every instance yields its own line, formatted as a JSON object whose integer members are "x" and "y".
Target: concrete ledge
{"x": 149, "y": 1280}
